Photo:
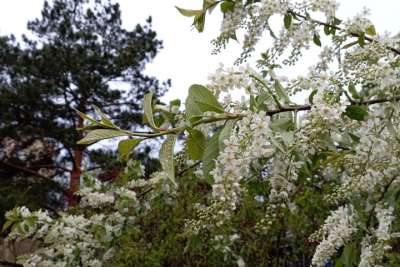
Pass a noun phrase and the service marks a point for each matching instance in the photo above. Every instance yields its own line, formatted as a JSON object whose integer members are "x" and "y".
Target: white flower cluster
{"x": 27, "y": 227}
{"x": 328, "y": 7}
{"x": 372, "y": 253}
{"x": 338, "y": 229}
{"x": 385, "y": 218}
{"x": 69, "y": 240}
{"x": 376, "y": 151}
{"x": 302, "y": 35}
{"x": 97, "y": 199}
{"x": 258, "y": 21}
{"x": 232, "y": 20}
{"x": 283, "y": 175}
{"x": 323, "y": 121}
{"x": 248, "y": 142}
{"x": 228, "y": 79}
{"x": 381, "y": 76}
{"x": 359, "y": 23}
{"x": 86, "y": 239}
{"x": 326, "y": 57}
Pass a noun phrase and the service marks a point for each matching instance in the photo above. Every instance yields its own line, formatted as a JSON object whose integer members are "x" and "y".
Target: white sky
{"x": 186, "y": 57}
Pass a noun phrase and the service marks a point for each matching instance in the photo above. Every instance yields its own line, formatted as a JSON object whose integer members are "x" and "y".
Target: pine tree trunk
{"x": 76, "y": 171}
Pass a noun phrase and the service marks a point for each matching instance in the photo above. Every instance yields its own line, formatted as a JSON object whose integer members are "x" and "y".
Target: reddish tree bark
{"x": 76, "y": 171}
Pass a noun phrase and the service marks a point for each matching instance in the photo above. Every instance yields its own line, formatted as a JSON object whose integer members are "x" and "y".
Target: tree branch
{"x": 308, "y": 107}
{"x": 51, "y": 166}
{"x": 7, "y": 263}
{"x": 235, "y": 116}
{"x": 24, "y": 169}
{"x": 35, "y": 174}
{"x": 180, "y": 173}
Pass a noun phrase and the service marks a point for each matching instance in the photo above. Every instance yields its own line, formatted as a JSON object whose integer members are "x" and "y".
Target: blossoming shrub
{"x": 264, "y": 181}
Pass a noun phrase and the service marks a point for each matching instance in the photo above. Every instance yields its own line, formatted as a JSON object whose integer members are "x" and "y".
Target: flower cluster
{"x": 228, "y": 79}
{"x": 329, "y": 7}
{"x": 359, "y": 23}
{"x": 372, "y": 253}
{"x": 232, "y": 20}
{"x": 337, "y": 230}
{"x": 247, "y": 142}
{"x": 88, "y": 238}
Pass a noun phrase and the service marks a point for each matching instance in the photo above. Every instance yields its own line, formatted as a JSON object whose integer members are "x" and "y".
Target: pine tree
{"x": 77, "y": 56}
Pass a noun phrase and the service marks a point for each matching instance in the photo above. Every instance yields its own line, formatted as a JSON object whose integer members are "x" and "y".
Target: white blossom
{"x": 338, "y": 228}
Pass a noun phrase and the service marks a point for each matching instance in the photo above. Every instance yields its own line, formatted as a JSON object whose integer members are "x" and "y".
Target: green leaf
{"x": 209, "y": 4}
{"x": 7, "y": 225}
{"x": 210, "y": 153}
{"x": 356, "y": 112}
{"x": 200, "y": 100}
{"x": 199, "y": 21}
{"x": 282, "y": 124}
{"x": 311, "y": 96}
{"x": 371, "y": 30}
{"x": 189, "y": 12}
{"x": 349, "y": 255}
{"x": 277, "y": 144}
{"x": 287, "y": 138}
{"x": 148, "y": 109}
{"x": 199, "y": 17}
{"x": 227, "y": 6}
{"x": 361, "y": 39}
{"x": 167, "y": 156}
{"x": 281, "y": 92}
{"x": 261, "y": 99}
{"x": 326, "y": 142}
{"x": 350, "y": 44}
{"x": 100, "y": 134}
{"x": 208, "y": 107}
{"x": 271, "y": 32}
{"x": 105, "y": 121}
{"x": 86, "y": 117}
{"x": 225, "y": 134}
{"x": 316, "y": 39}
{"x": 327, "y": 30}
{"x": 175, "y": 102}
{"x": 125, "y": 146}
{"x": 354, "y": 137}
{"x": 336, "y": 21}
{"x": 195, "y": 144}
{"x": 353, "y": 91}
{"x": 392, "y": 130}
{"x": 287, "y": 20}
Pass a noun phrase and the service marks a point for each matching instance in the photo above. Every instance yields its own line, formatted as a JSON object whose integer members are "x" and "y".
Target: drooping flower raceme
{"x": 247, "y": 142}
{"x": 337, "y": 230}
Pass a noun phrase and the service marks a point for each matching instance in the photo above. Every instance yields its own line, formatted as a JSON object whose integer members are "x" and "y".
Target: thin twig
{"x": 188, "y": 168}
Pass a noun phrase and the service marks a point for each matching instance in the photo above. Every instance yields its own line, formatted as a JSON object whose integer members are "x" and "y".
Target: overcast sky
{"x": 186, "y": 57}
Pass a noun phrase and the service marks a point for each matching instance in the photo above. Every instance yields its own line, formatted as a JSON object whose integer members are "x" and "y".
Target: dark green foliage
{"x": 157, "y": 238}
